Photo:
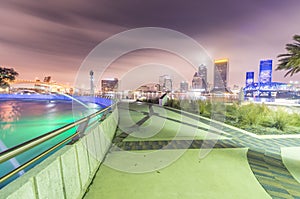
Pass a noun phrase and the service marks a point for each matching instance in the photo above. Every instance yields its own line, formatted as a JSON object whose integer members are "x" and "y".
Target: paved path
{"x": 262, "y": 174}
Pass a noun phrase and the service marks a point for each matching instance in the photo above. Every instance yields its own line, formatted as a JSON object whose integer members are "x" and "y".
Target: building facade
{"x": 202, "y": 71}
{"x": 199, "y": 81}
{"x": 165, "y": 83}
{"x": 221, "y": 71}
{"x": 109, "y": 85}
{"x": 265, "y": 87}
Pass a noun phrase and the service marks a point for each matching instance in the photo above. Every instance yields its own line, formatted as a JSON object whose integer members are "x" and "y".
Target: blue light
{"x": 265, "y": 71}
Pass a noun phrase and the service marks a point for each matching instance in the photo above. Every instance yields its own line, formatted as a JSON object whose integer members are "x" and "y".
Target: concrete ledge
{"x": 91, "y": 150}
{"x": 42, "y": 172}
{"x": 68, "y": 172}
{"x": 49, "y": 180}
{"x": 25, "y": 191}
{"x": 69, "y": 166}
{"x": 83, "y": 164}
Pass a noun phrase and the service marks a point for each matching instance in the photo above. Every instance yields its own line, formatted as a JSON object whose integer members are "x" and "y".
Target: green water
{"x": 21, "y": 121}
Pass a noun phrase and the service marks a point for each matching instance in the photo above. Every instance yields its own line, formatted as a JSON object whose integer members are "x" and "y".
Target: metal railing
{"x": 21, "y": 148}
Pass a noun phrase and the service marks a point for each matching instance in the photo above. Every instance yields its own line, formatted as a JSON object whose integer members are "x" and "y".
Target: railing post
{"x": 81, "y": 129}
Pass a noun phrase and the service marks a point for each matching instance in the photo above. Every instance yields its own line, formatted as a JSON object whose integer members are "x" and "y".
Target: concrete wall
{"x": 68, "y": 172}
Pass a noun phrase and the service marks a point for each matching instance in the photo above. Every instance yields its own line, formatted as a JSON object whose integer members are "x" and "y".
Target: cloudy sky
{"x": 53, "y": 37}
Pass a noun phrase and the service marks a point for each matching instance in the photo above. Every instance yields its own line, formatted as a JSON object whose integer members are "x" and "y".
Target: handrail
{"x": 14, "y": 151}
{"x": 31, "y": 161}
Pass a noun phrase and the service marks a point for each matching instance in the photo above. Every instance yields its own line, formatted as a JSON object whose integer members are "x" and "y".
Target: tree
{"x": 7, "y": 75}
{"x": 291, "y": 60}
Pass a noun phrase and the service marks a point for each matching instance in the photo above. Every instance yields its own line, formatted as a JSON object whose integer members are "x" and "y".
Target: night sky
{"x": 53, "y": 37}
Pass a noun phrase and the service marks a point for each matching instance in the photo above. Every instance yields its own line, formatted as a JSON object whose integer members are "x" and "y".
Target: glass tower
{"x": 221, "y": 74}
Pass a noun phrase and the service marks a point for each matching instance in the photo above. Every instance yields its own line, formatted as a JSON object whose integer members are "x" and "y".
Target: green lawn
{"x": 223, "y": 173}
{"x": 291, "y": 159}
{"x": 157, "y": 128}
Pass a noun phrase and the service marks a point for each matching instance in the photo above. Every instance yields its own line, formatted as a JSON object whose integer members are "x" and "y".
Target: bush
{"x": 205, "y": 108}
{"x": 280, "y": 119}
{"x": 295, "y": 120}
{"x": 256, "y": 118}
{"x": 175, "y": 103}
{"x": 153, "y": 101}
{"x": 231, "y": 114}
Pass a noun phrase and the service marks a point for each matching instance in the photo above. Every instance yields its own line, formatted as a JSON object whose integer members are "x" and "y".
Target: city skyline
{"x": 53, "y": 38}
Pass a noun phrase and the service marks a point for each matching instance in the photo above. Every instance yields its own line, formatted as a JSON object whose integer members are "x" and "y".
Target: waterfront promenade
{"x": 217, "y": 161}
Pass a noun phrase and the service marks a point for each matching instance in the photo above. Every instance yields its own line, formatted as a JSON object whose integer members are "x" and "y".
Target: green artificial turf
{"x": 291, "y": 159}
{"x": 157, "y": 128}
{"x": 223, "y": 173}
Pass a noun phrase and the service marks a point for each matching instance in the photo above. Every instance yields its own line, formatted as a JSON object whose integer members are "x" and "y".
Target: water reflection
{"x": 9, "y": 113}
{"x": 22, "y": 120}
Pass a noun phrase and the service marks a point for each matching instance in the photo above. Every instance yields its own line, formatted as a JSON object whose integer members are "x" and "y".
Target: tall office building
{"x": 249, "y": 78}
{"x": 202, "y": 71}
{"x": 165, "y": 83}
{"x": 109, "y": 84}
{"x": 265, "y": 71}
{"x": 221, "y": 68}
{"x": 197, "y": 81}
{"x": 161, "y": 82}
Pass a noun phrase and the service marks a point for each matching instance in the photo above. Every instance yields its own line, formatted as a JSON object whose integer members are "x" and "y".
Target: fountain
{"x": 73, "y": 98}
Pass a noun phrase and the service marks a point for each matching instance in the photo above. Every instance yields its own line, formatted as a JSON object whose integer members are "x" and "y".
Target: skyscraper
{"x": 249, "y": 78}
{"x": 202, "y": 71}
{"x": 197, "y": 81}
{"x": 221, "y": 75}
{"x": 165, "y": 83}
{"x": 265, "y": 71}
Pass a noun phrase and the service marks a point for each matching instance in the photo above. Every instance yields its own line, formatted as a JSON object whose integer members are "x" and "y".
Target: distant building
{"x": 109, "y": 85}
{"x": 249, "y": 78}
{"x": 199, "y": 81}
{"x": 295, "y": 85}
{"x": 235, "y": 89}
{"x": 202, "y": 71}
{"x": 265, "y": 72}
{"x": 161, "y": 82}
{"x": 144, "y": 88}
{"x": 265, "y": 88}
{"x": 148, "y": 88}
{"x": 165, "y": 83}
{"x": 168, "y": 85}
{"x": 184, "y": 87}
{"x": 221, "y": 69}
{"x": 47, "y": 79}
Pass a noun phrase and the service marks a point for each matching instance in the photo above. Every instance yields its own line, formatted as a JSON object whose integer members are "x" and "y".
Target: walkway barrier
{"x": 69, "y": 171}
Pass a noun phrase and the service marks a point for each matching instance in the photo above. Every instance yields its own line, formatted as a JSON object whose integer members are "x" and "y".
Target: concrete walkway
{"x": 166, "y": 153}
